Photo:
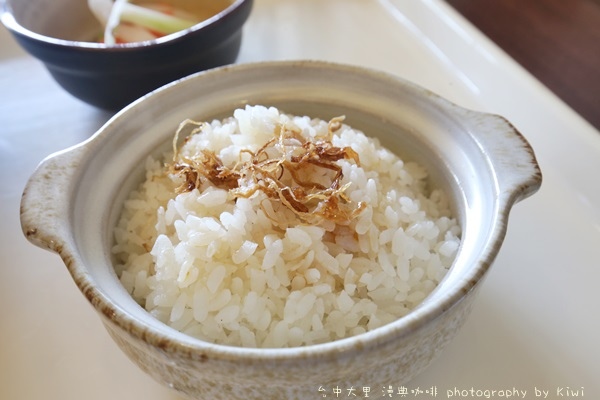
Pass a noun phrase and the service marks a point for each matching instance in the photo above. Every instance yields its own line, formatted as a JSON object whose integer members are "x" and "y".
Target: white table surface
{"x": 536, "y": 323}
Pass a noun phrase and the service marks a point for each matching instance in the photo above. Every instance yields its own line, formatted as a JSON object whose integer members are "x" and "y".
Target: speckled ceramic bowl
{"x": 71, "y": 203}
{"x": 60, "y": 33}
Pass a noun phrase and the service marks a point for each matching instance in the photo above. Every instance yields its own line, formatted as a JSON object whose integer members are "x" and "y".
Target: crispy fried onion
{"x": 302, "y": 174}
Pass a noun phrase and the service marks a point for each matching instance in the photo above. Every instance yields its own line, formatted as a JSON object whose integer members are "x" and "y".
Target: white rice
{"x": 222, "y": 271}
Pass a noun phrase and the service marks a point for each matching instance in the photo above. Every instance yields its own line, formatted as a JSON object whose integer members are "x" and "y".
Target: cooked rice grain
{"x": 222, "y": 270}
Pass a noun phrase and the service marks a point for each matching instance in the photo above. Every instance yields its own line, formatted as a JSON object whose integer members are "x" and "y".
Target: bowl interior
{"x": 73, "y": 21}
{"x": 408, "y": 120}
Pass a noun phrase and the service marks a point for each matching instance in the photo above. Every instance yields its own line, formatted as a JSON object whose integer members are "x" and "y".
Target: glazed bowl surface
{"x": 60, "y": 33}
{"x": 72, "y": 201}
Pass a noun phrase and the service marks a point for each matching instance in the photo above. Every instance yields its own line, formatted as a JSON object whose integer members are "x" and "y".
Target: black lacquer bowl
{"x": 60, "y": 34}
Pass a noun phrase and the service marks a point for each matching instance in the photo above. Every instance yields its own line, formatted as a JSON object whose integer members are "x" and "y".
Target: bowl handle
{"x": 510, "y": 154}
{"x": 45, "y": 203}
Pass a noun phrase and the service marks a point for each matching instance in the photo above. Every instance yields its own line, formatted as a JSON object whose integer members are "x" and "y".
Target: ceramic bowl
{"x": 71, "y": 203}
{"x": 60, "y": 34}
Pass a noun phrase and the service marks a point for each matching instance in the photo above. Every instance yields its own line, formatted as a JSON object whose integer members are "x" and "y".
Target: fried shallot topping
{"x": 300, "y": 173}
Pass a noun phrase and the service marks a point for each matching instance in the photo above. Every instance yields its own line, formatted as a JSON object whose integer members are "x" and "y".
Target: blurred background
{"x": 558, "y": 41}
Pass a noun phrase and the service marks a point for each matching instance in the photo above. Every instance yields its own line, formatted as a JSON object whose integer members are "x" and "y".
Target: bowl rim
{"x": 420, "y": 316}
{"x": 10, "y": 22}
{"x": 172, "y": 341}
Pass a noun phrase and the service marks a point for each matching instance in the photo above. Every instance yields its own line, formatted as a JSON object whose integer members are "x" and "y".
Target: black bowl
{"x": 111, "y": 77}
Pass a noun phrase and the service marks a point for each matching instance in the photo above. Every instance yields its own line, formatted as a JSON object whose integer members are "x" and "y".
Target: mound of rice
{"x": 248, "y": 272}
